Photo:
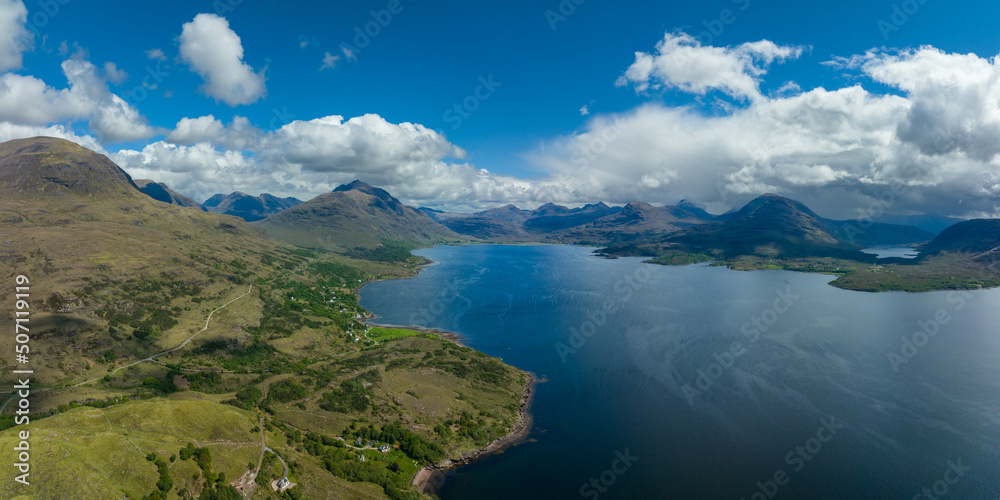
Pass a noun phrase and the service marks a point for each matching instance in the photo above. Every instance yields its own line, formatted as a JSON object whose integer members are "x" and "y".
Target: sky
{"x": 859, "y": 109}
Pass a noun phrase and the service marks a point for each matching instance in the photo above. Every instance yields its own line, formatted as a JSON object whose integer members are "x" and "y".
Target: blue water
{"x": 804, "y": 390}
{"x": 881, "y": 252}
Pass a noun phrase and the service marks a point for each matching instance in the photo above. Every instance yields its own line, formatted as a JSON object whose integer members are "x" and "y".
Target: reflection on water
{"x": 721, "y": 384}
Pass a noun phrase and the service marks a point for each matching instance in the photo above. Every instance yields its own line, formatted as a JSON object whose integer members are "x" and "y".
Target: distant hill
{"x": 933, "y": 224}
{"x": 249, "y": 208}
{"x": 160, "y": 192}
{"x": 768, "y": 225}
{"x": 593, "y": 223}
{"x": 355, "y": 215}
{"x": 551, "y": 218}
{"x": 972, "y": 236}
{"x": 773, "y": 225}
{"x": 635, "y": 221}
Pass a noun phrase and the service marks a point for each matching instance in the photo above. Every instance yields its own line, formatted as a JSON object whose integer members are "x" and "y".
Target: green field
{"x": 382, "y": 334}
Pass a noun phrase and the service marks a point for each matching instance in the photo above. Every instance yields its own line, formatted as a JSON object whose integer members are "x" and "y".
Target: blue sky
{"x": 548, "y": 59}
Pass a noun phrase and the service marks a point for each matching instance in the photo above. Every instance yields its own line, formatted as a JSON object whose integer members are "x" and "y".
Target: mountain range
{"x": 160, "y": 192}
{"x": 249, "y": 208}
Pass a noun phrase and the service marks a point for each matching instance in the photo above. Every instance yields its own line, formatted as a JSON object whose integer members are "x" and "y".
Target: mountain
{"x": 635, "y": 221}
{"x": 56, "y": 169}
{"x": 117, "y": 279}
{"x": 249, "y": 208}
{"x": 96, "y": 248}
{"x": 774, "y": 225}
{"x": 593, "y": 223}
{"x": 933, "y": 224}
{"x": 550, "y": 218}
{"x": 160, "y": 192}
{"x": 972, "y": 236}
{"x": 695, "y": 210}
{"x": 354, "y": 215}
{"x": 768, "y": 225}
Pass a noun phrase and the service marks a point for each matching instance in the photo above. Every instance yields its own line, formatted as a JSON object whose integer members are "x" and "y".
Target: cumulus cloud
{"x": 240, "y": 134}
{"x": 214, "y": 51}
{"x": 10, "y": 131}
{"x": 681, "y": 62}
{"x": 26, "y": 100}
{"x": 306, "y": 158}
{"x": 937, "y": 135}
{"x": 14, "y": 37}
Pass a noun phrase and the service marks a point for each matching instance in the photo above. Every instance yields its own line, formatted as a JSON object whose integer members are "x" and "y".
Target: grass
{"x": 381, "y": 334}
{"x": 90, "y": 453}
{"x": 938, "y": 272}
{"x": 119, "y": 277}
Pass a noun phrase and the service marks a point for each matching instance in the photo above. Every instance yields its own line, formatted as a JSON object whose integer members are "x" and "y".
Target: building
{"x": 357, "y": 441}
{"x": 385, "y": 448}
{"x": 283, "y": 482}
{"x": 362, "y": 459}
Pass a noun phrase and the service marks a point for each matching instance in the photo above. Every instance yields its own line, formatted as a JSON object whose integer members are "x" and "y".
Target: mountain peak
{"x": 357, "y": 185}
{"x": 56, "y": 167}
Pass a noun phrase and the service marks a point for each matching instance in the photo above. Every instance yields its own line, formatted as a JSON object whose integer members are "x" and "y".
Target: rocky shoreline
{"x": 431, "y": 477}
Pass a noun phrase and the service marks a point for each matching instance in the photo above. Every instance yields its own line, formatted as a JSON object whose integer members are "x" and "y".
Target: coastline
{"x": 430, "y": 478}
{"x": 453, "y": 337}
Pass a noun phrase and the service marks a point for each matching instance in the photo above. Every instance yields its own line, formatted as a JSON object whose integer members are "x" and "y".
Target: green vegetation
{"x": 386, "y": 251}
{"x": 234, "y": 317}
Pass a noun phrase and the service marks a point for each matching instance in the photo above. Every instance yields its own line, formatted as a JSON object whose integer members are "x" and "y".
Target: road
{"x": 151, "y": 358}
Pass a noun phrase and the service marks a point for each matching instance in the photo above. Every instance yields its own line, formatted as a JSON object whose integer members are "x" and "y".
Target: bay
{"x": 702, "y": 382}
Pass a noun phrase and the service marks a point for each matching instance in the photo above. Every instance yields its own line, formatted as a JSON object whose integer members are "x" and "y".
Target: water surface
{"x": 717, "y": 382}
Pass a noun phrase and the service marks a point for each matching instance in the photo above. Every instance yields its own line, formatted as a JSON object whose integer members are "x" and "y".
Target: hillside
{"x": 170, "y": 326}
{"x": 160, "y": 192}
{"x": 249, "y": 208}
{"x": 80, "y": 229}
{"x": 975, "y": 236}
{"x": 355, "y": 215}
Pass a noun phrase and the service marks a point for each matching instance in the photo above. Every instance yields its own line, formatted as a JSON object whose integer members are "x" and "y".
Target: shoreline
{"x": 429, "y": 478}
{"x": 450, "y": 336}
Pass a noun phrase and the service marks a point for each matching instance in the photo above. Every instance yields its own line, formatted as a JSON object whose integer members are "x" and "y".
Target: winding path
{"x": 153, "y": 357}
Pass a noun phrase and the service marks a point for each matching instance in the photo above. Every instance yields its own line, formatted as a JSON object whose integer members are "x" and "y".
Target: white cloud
{"x": 584, "y": 111}
{"x": 15, "y": 39}
{"x": 114, "y": 74}
{"x": 240, "y": 134}
{"x": 329, "y": 61}
{"x": 682, "y": 63}
{"x": 26, "y": 100}
{"x": 215, "y": 52}
{"x": 10, "y": 131}
{"x": 117, "y": 121}
{"x": 156, "y": 55}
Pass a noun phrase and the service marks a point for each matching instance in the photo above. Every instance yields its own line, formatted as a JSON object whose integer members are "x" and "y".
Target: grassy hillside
{"x": 355, "y": 215}
{"x": 149, "y": 312}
